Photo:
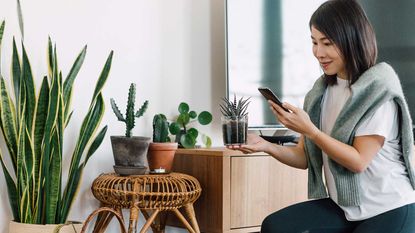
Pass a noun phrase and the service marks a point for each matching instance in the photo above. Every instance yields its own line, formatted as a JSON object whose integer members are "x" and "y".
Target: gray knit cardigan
{"x": 377, "y": 85}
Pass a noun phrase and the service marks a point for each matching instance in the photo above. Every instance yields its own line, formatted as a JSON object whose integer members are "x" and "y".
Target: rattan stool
{"x": 150, "y": 194}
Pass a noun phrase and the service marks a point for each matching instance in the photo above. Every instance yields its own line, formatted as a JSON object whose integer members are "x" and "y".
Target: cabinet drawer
{"x": 260, "y": 185}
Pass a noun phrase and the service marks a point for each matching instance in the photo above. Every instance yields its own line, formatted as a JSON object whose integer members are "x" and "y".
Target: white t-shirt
{"x": 385, "y": 184}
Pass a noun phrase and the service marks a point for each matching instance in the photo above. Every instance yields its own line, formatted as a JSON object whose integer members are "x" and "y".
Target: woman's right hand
{"x": 254, "y": 144}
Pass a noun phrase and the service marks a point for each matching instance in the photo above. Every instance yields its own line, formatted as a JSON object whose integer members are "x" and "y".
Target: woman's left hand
{"x": 296, "y": 120}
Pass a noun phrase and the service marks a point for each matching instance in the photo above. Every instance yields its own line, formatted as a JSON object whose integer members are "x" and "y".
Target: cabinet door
{"x": 260, "y": 185}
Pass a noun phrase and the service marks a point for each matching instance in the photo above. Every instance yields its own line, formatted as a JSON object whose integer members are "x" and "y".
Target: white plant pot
{"x": 16, "y": 227}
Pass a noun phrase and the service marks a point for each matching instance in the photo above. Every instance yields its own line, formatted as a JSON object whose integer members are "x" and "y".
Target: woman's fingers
{"x": 246, "y": 149}
{"x": 290, "y": 107}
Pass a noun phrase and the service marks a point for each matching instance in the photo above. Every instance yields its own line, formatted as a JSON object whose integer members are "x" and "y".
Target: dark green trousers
{"x": 324, "y": 216}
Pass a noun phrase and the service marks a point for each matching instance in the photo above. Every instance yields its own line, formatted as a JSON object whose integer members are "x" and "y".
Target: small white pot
{"x": 16, "y": 227}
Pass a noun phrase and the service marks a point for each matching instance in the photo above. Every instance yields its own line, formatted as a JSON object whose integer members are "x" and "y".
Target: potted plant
{"x": 161, "y": 150}
{"x": 33, "y": 127}
{"x": 130, "y": 152}
{"x": 234, "y": 120}
{"x": 186, "y": 136}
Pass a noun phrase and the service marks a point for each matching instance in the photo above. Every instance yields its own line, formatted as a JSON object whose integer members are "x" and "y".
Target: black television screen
{"x": 269, "y": 45}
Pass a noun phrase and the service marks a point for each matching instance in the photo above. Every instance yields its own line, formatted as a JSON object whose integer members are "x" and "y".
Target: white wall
{"x": 172, "y": 49}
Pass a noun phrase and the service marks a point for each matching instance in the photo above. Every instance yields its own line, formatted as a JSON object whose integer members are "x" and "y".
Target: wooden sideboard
{"x": 238, "y": 190}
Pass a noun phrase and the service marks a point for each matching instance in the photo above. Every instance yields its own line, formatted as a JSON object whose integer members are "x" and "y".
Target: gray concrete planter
{"x": 130, "y": 154}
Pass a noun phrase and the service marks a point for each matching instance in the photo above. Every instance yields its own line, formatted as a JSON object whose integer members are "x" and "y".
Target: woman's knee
{"x": 273, "y": 223}
{"x": 268, "y": 225}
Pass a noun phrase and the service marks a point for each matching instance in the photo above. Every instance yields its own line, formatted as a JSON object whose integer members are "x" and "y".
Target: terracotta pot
{"x": 16, "y": 227}
{"x": 161, "y": 155}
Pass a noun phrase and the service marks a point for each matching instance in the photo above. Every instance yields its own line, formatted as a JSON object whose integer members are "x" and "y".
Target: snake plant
{"x": 33, "y": 124}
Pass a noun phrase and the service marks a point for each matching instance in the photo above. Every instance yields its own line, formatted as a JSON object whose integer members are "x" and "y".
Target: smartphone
{"x": 269, "y": 95}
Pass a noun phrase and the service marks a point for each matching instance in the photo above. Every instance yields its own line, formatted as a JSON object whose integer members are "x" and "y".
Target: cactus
{"x": 130, "y": 116}
{"x": 160, "y": 128}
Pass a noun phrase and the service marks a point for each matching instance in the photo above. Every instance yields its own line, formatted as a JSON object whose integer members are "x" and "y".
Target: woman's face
{"x": 328, "y": 54}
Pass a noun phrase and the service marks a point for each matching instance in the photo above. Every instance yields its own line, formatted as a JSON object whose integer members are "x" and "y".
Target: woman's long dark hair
{"x": 345, "y": 24}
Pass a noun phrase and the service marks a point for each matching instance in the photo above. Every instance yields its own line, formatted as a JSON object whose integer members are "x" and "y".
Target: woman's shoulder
{"x": 379, "y": 77}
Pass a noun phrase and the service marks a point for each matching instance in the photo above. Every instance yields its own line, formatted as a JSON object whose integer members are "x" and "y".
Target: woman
{"x": 356, "y": 127}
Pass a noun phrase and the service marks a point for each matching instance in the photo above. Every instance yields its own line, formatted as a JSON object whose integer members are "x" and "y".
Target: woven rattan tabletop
{"x": 153, "y": 191}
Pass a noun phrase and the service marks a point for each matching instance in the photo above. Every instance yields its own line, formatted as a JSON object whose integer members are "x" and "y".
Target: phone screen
{"x": 269, "y": 95}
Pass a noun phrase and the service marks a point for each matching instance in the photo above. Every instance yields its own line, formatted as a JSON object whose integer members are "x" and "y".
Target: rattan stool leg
{"x": 149, "y": 221}
{"x": 134, "y": 212}
{"x": 190, "y": 211}
{"x": 183, "y": 220}
{"x": 103, "y": 219}
{"x": 100, "y": 211}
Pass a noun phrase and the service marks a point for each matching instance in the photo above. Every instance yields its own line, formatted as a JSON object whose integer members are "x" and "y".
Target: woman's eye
{"x": 328, "y": 43}
{"x": 314, "y": 43}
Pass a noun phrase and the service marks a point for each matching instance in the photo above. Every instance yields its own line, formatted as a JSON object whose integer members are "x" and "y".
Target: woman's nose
{"x": 319, "y": 51}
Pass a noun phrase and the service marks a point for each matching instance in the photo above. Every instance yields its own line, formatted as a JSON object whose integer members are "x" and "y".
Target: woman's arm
{"x": 293, "y": 156}
{"x": 356, "y": 158}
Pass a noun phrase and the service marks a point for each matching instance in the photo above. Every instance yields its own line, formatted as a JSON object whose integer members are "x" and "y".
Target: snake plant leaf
{"x": 38, "y": 133}
{"x": 8, "y": 122}
{"x": 68, "y": 84}
{"x": 68, "y": 119}
{"x": 1, "y": 37}
{"x": 174, "y": 128}
{"x": 47, "y": 146}
{"x": 104, "y": 75}
{"x": 89, "y": 126}
{"x": 71, "y": 189}
{"x": 11, "y": 190}
{"x": 16, "y": 71}
{"x": 204, "y": 118}
{"x": 27, "y": 77}
{"x": 51, "y": 57}
{"x": 54, "y": 181}
{"x": 206, "y": 140}
{"x": 183, "y": 107}
{"x": 3, "y": 23}
{"x": 188, "y": 141}
{"x": 95, "y": 144}
{"x": 20, "y": 16}
{"x": 41, "y": 115}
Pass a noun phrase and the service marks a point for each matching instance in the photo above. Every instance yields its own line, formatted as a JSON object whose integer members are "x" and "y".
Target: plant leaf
{"x": 192, "y": 114}
{"x": 8, "y": 122}
{"x": 104, "y": 75}
{"x": 68, "y": 84}
{"x": 16, "y": 72}
{"x": 11, "y": 190}
{"x": 183, "y": 107}
{"x": 188, "y": 141}
{"x": 20, "y": 15}
{"x": 174, "y": 128}
{"x": 193, "y": 132}
{"x": 204, "y": 118}
{"x": 30, "y": 91}
{"x": 206, "y": 140}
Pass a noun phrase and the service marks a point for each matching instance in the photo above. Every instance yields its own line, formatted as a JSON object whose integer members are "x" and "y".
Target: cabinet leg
{"x": 190, "y": 211}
